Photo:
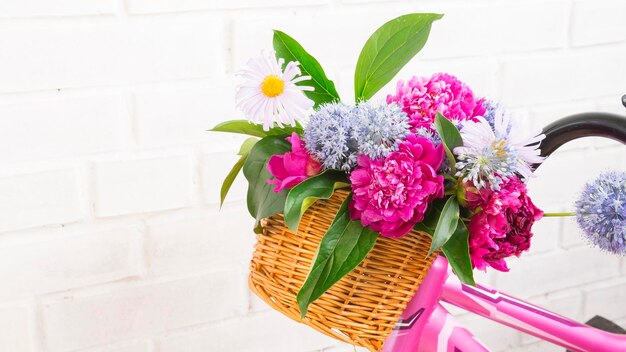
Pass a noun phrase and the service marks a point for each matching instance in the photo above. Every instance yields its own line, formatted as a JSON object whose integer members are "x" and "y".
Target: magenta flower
{"x": 293, "y": 167}
{"x": 392, "y": 194}
{"x": 502, "y": 225}
{"x": 421, "y": 98}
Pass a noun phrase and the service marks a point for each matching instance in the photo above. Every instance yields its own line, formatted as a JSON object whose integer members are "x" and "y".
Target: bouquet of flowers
{"x": 432, "y": 157}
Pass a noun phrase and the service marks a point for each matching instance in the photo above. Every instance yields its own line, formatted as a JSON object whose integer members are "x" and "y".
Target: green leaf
{"x": 391, "y": 47}
{"x": 431, "y": 217}
{"x": 230, "y": 178}
{"x": 262, "y": 200}
{"x": 228, "y": 181}
{"x": 289, "y": 49}
{"x": 456, "y": 251}
{"x": 308, "y": 191}
{"x": 245, "y": 127}
{"x": 344, "y": 246}
{"x": 246, "y": 146}
{"x": 450, "y": 136}
{"x": 446, "y": 225}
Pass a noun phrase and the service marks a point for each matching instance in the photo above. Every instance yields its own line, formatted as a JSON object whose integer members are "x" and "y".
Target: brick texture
{"x": 111, "y": 234}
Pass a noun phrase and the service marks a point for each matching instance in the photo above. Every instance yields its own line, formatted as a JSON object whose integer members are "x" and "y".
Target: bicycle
{"x": 426, "y": 325}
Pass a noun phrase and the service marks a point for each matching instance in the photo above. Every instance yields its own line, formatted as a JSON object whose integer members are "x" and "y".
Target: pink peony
{"x": 502, "y": 225}
{"x": 392, "y": 194}
{"x": 293, "y": 167}
{"x": 421, "y": 98}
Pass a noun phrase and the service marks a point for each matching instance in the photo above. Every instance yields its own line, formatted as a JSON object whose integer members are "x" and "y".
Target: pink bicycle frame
{"x": 427, "y": 326}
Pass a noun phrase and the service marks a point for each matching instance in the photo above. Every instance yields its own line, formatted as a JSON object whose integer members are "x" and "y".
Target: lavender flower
{"x": 494, "y": 109}
{"x": 337, "y": 134}
{"x": 601, "y": 211}
{"x": 380, "y": 128}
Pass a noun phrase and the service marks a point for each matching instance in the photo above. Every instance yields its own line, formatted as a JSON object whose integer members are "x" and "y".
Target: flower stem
{"x": 558, "y": 214}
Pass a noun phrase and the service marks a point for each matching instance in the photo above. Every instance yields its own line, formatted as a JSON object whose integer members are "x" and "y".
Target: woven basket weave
{"x": 360, "y": 309}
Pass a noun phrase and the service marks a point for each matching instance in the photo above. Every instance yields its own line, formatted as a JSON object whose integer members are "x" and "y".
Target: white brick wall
{"x": 110, "y": 234}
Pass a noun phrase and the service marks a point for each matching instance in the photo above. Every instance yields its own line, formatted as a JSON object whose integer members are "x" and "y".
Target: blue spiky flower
{"x": 328, "y": 136}
{"x": 337, "y": 133}
{"x": 601, "y": 211}
{"x": 380, "y": 128}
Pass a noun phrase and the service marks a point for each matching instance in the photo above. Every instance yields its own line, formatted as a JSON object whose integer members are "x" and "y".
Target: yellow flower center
{"x": 272, "y": 86}
{"x": 499, "y": 148}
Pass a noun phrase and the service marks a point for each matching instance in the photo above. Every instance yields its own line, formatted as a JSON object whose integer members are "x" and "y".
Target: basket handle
{"x": 596, "y": 124}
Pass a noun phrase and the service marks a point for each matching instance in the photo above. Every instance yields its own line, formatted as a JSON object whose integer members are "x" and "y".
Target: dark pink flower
{"x": 501, "y": 226}
{"x": 421, "y": 98}
{"x": 293, "y": 167}
{"x": 392, "y": 194}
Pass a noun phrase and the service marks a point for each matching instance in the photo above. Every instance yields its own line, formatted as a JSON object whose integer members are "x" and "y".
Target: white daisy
{"x": 492, "y": 155}
{"x": 270, "y": 94}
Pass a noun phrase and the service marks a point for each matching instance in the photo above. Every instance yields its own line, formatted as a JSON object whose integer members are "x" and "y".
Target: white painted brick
{"x": 606, "y": 300}
{"x": 135, "y": 186}
{"x": 160, "y": 6}
{"x": 200, "y": 240}
{"x": 545, "y": 236}
{"x": 58, "y": 128}
{"x": 348, "y": 30}
{"x": 38, "y": 199}
{"x": 545, "y": 189}
{"x": 598, "y": 21}
{"x": 215, "y": 167}
{"x": 544, "y": 115}
{"x": 15, "y": 329}
{"x": 76, "y": 55}
{"x": 135, "y": 346}
{"x": 69, "y": 261}
{"x": 33, "y": 8}
{"x": 81, "y": 322}
{"x": 571, "y": 234}
{"x": 183, "y": 116}
{"x": 278, "y": 334}
{"x": 494, "y": 335}
{"x": 563, "y": 77}
{"x": 344, "y": 347}
{"x": 542, "y": 346}
{"x": 351, "y": 28}
{"x": 492, "y": 28}
{"x": 556, "y": 271}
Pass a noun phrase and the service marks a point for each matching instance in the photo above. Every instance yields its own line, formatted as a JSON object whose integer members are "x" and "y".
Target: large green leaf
{"x": 262, "y": 200}
{"x": 450, "y": 136}
{"x": 344, "y": 246}
{"x": 228, "y": 181}
{"x": 446, "y": 225}
{"x": 305, "y": 193}
{"x": 391, "y": 47}
{"x": 245, "y": 127}
{"x": 456, "y": 251}
{"x": 289, "y": 49}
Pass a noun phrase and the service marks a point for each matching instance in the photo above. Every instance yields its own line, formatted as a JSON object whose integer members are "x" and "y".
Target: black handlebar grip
{"x": 594, "y": 124}
{"x": 591, "y": 124}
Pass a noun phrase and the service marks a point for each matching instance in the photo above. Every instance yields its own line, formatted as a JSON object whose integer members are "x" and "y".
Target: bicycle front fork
{"x": 426, "y": 326}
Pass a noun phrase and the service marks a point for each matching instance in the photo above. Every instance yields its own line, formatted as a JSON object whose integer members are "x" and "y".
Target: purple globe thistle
{"x": 601, "y": 211}
{"x": 337, "y": 133}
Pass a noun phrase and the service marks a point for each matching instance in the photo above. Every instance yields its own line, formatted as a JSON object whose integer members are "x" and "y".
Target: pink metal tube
{"x": 530, "y": 319}
{"x": 425, "y": 326}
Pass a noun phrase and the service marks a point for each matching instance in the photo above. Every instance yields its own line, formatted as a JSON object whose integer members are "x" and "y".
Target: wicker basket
{"x": 360, "y": 309}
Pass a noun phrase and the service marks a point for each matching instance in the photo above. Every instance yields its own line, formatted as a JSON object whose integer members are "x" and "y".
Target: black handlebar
{"x": 594, "y": 124}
